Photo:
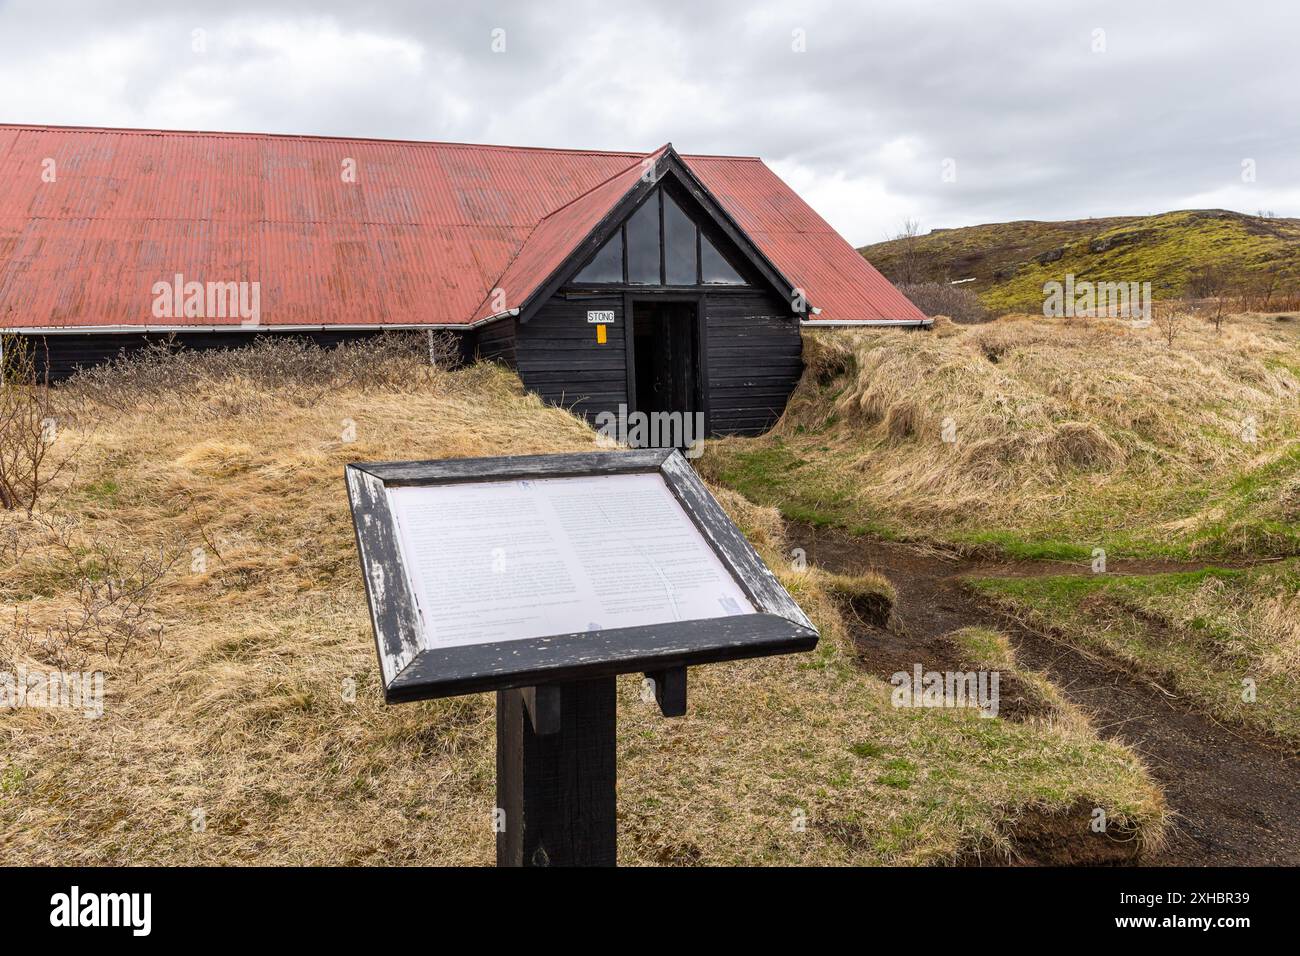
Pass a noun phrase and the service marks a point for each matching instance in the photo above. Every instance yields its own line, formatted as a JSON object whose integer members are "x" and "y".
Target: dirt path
{"x": 1235, "y": 797}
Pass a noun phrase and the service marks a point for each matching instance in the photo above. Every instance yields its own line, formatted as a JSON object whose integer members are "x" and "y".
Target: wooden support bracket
{"x": 543, "y": 706}
{"x": 670, "y": 690}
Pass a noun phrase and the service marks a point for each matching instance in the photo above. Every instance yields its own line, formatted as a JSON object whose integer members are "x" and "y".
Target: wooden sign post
{"x": 556, "y": 775}
{"x": 542, "y": 578}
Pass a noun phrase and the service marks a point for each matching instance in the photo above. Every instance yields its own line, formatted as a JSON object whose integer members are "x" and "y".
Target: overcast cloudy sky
{"x": 952, "y": 112}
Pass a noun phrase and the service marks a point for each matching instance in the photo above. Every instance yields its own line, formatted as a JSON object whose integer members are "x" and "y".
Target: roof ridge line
{"x": 255, "y": 134}
{"x": 252, "y": 134}
{"x": 604, "y": 182}
{"x": 537, "y": 225}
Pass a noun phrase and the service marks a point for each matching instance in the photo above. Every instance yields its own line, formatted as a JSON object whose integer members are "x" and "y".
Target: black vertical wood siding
{"x": 558, "y": 357}
{"x": 495, "y": 342}
{"x": 754, "y": 353}
{"x": 753, "y": 357}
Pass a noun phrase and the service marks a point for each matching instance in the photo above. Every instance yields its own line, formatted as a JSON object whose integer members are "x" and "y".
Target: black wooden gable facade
{"x": 666, "y": 306}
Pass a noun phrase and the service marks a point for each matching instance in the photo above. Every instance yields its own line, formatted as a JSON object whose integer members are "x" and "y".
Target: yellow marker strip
{"x": 600, "y": 335}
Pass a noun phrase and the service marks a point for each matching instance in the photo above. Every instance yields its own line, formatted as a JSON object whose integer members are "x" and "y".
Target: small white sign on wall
{"x": 600, "y": 317}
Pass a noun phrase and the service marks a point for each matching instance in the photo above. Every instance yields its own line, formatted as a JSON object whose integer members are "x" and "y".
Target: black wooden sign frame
{"x": 414, "y": 672}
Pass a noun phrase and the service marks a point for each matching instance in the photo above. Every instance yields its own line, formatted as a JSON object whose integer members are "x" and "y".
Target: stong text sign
{"x": 493, "y": 573}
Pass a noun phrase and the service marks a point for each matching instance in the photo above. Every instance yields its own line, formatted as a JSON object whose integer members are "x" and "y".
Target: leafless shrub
{"x": 959, "y": 303}
{"x": 113, "y": 590}
{"x": 29, "y": 428}
{"x": 1214, "y": 287}
{"x": 13, "y": 543}
{"x": 908, "y": 265}
{"x": 1170, "y": 318}
{"x": 295, "y": 369}
{"x": 1260, "y": 290}
{"x": 1207, "y": 280}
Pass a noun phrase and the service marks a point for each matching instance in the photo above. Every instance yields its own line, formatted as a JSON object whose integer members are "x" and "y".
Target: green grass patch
{"x": 866, "y": 749}
{"x": 1028, "y": 549}
{"x": 105, "y": 490}
{"x": 772, "y": 473}
{"x": 1226, "y": 638}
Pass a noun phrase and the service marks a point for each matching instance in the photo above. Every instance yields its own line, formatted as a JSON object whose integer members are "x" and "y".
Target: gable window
{"x": 680, "y": 238}
{"x": 607, "y": 266}
{"x": 660, "y": 244}
{"x": 643, "y": 263}
{"x": 714, "y": 268}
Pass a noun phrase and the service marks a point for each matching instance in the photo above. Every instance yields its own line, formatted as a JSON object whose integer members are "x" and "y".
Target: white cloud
{"x": 1038, "y": 125}
{"x": 862, "y": 209}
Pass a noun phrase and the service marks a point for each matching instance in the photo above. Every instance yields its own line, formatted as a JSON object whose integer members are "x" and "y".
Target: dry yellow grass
{"x": 1206, "y": 634}
{"x": 981, "y": 648}
{"x": 242, "y": 712}
{"x": 1083, "y": 432}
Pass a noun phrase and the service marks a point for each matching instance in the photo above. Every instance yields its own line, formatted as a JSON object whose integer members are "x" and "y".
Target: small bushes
{"x": 295, "y": 369}
{"x": 958, "y": 302}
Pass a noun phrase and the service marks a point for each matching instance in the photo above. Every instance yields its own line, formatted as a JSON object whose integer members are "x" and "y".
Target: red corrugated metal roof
{"x": 834, "y": 276}
{"x": 556, "y": 236}
{"x": 422, "y": 237}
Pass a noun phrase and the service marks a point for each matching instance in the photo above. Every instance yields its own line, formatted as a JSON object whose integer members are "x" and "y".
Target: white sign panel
{"x": 508, "y": 560}
{"x": 600, "y": 317}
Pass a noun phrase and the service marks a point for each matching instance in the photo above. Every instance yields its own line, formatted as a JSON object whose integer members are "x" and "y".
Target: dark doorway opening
{"x": 665, "y": 345}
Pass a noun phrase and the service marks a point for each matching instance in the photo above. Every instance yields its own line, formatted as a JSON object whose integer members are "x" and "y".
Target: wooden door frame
{"x": 700, "y": 301}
